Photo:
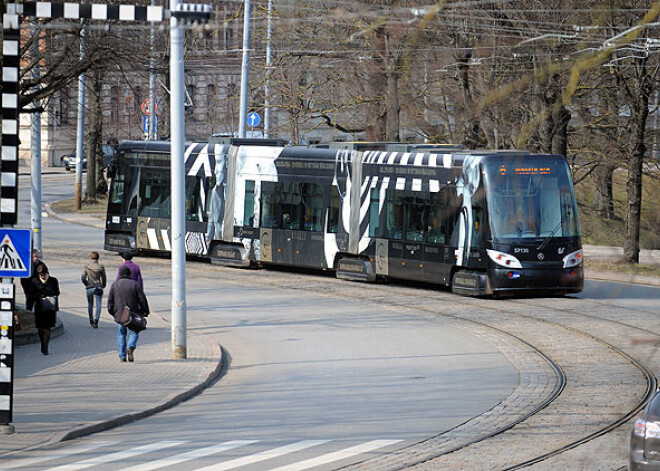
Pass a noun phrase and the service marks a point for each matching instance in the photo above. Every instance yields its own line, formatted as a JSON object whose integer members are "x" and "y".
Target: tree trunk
{"x": 471, "y": 126}
{"x": 554, "y": 130}
{"x": 603, "y": 196}
{"x": 94, "y": 133}
{"x": 561, "y": 118}
{"x": 393, "y": 108}
{"x": 640, "y": 112}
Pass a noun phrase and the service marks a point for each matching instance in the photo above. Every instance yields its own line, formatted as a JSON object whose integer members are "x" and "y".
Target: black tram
{"x": 481, "y": 222}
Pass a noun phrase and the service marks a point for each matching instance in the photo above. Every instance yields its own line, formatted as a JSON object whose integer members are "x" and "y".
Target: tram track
{"x": 565, "y": 331}
{"x": 410, "y": 299}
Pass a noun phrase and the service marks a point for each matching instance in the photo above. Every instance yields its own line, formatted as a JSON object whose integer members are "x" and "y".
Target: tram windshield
{"x": 531, "y": 198}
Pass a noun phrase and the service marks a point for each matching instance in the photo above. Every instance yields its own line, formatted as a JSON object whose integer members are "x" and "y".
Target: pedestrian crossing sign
{"x": 15, "y": 250}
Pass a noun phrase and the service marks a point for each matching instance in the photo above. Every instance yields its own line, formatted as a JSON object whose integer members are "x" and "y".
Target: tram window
{"x": 248, "y": 205}
{"x": 435, "y": 233}
{"x": 269, "y": 201}
{"x": 415, "y": 218}
{"x": 333, "y": 211}
{"x": 194, "y": 201}
{"x": 477, "y": 220}
{"x": 292, "y": 207}
{"x": 394, "y": 214}
{"x": 154, "y": 194}
{"x": 117, "y": 189}
{"x": 312, "y": 200}
{"x": 374, "y": 214}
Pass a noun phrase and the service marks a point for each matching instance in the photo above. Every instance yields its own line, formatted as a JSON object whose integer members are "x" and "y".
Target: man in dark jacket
{"x": 126, "y": 292}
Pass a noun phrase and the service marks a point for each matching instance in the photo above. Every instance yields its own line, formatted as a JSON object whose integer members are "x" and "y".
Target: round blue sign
{"x": 253, "y": 119}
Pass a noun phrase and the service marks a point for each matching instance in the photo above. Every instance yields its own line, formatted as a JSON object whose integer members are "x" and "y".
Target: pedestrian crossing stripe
{"x": 10, "y": 260}
{"x": 120, "y": 457}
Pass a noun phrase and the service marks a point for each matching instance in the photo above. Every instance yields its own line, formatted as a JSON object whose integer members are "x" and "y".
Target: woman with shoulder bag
{"x": 44, "y": 298}
{"x": 94, "y": 279}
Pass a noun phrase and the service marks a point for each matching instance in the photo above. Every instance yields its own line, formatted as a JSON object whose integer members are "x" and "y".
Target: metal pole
{"x": 245, "y": 70}
{"x": 77, "y": 194}
{"x": 177, "y": 133}
{"x": 35, "y": 145}
{"x": 269, "y": 60}
{"x": 152, "y": 82}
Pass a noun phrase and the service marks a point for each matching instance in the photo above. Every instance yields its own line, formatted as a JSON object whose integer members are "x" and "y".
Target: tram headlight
{"x": 573, "y": 259}
{"x": 504, "y": 259}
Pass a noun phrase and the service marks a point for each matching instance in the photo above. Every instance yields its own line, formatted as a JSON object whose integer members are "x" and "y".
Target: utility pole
{"x": 35, "y": 145}
{"x": 180, "y": 13}
{"x": 269, "y": 60}
{"x": 77, "y": 193}
{"x": 245, "y": 69}
{"x": 152, "y": 82}
{"x": 178, "y": 137}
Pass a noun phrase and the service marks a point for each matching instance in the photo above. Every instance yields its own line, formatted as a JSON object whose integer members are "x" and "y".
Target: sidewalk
{"x": 82, "y": 387}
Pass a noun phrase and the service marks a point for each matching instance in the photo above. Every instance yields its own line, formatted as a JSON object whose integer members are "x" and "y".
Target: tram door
{"x": 438, "y": 255}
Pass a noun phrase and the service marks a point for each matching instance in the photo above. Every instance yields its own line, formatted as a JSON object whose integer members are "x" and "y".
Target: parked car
{"x": 69, "y": 160}
{"x": 645, "y": 438}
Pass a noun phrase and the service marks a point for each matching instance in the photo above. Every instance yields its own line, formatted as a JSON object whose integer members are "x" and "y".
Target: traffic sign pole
{"x": 15, "y": 261}
{"x": 6, "y": 355}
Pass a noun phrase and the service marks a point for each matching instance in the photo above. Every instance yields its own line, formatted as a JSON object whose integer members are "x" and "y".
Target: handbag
{"x": 137, "y": 322}
{"x": 49, "y": 303}
{"x": 98, "y": 291}
{"x": 133, "y": 320}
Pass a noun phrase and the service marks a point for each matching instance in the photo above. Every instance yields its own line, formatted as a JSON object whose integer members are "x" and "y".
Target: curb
{"x": 81, "y": 222}
{"x": 622, "y": 278}
{"x": 106, "y": 424}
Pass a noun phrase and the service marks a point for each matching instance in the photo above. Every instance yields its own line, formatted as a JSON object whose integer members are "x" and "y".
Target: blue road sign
{"x": 15, "y": 253}
{"x": 145, "y": 123}
{"x": 253, "y": 119}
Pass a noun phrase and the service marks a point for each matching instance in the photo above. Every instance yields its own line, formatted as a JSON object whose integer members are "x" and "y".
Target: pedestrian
{"x": 94, "y": 279}
{"x": 44, "y": 298}
{"x": 126, "y": 292}
{"x": 27, "y": 282}
{"x": 132, "y": 266}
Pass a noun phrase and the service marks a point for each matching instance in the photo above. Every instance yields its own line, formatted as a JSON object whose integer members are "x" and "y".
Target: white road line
{"x": 263, "y": 456}
{"x": 22, "y": 463}
{"x": 191, "y": 455}
{"x": 120, "y": 455}
{"x": 337, "y": 455}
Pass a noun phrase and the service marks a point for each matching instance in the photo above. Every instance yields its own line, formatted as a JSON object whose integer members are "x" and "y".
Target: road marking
{"x": 22, "y": 463}
{"x": 337, "y": 455}
{"x": 191, "y": 455}
{"x": 263, "y": 456}
{"x": 121, "y": 455}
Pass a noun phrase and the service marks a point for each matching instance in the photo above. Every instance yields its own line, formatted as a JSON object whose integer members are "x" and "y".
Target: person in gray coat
{"x": 94, "y": 279}
{"x": 126, "y": 292}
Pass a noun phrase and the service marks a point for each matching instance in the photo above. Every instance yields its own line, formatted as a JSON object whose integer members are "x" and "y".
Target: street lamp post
{"x": 180, "y": 13}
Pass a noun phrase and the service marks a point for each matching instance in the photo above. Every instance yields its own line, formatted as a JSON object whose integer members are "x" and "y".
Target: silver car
{"x": 645, "y": 438}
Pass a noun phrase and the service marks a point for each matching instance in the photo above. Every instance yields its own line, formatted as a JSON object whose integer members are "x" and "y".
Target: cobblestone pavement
{"x": 81, "y": 387}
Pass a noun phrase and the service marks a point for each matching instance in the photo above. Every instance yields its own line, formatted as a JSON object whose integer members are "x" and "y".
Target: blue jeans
{"x": 90, "y": 305}
{"x": 122, "y": 331}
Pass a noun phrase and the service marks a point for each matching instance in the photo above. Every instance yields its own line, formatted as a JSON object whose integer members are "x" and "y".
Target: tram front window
{"x": 531, "y": 199}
